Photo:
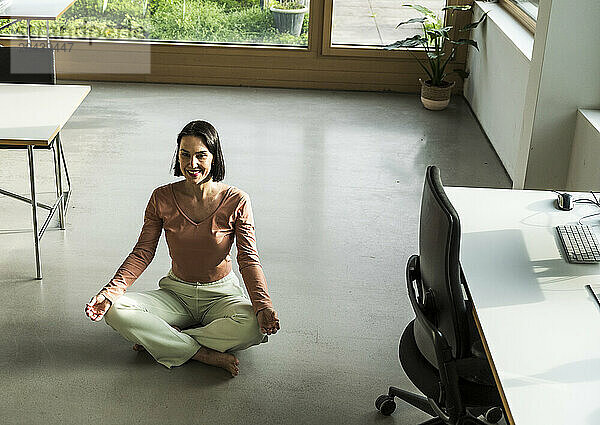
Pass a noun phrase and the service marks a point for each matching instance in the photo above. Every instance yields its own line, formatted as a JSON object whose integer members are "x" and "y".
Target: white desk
{"x": 541, "y": 326}
{"x": 41, "y": 10}
{"x": 33, "y": 115}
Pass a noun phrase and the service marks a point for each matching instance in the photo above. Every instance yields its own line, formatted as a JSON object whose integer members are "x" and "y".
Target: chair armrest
{"x": 422, "y": 300}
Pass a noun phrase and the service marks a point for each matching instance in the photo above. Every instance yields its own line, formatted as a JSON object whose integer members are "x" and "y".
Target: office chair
{"x": 440, "y": 350}
{"x": 27, "y": 65}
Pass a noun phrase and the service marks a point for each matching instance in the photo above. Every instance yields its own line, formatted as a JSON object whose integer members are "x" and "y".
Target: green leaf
{"x": 465, "y": 41}
{"x": 412, "y": 21}
{"x": 474, "y": 24}
{"x": 466, "y": 7}
{"x": 414, "y": 41}
{"x": 422, "y": 9}
{"x": 437, "y": 33}
{"x": 435, "y": 56}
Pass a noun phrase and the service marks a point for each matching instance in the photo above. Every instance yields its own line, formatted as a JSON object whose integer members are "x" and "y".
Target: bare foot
{"x": 138, "y": 347}
{"x": 225, "y": 361}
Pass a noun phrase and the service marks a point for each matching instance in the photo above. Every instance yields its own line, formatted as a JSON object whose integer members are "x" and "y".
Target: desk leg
{"x": 58, "y": 176}
{"x": 36, "y": 236}
{"x": 28, "y": 33}
{"x": 64, "y": 166}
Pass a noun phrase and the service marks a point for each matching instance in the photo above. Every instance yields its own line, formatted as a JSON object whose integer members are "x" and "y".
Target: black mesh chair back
{"x": 27, "y": 65}
{"x": 439, "y": 247}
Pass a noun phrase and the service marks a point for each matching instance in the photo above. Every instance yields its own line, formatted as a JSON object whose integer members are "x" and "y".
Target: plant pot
{"x": 289, "y": 20}
{"x": 435, "y": 98}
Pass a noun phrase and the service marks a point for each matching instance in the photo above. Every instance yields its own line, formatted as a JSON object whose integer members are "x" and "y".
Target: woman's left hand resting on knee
{"x": 268, "y": 321}
{"x": 97, "y": 307}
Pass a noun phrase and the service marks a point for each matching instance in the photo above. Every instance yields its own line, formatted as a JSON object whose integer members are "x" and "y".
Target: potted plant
{"x": 435, "y": 92}
{"x": 288, "y": 15}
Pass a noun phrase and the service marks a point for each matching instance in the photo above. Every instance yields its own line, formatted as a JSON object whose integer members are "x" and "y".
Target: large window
{"x": 237, "y": 42}
{"x": 215, "y": 21}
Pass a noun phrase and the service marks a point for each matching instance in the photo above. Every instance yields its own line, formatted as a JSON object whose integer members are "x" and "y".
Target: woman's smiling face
{"x": 194, "y": 159}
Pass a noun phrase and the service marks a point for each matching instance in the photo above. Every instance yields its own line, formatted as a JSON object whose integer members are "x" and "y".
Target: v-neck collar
{"x": 203, "y": 220}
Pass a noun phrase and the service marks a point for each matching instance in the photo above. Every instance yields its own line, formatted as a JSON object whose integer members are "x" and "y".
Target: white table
{"x": 541, "y": 327}
{"x": 30, "y": 10}
{"x": 33, "y": 115}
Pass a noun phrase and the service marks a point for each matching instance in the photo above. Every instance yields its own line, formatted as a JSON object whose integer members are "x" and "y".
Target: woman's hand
{"x": 268, "y": 321}
{"x": 97, "y": 307}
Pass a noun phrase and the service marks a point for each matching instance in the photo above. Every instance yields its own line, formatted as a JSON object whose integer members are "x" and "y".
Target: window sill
{"x": 592, "y": 116}
{"x": 519, "y": 36}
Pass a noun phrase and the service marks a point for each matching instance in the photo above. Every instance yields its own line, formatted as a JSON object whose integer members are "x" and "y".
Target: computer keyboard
{"x": 580, "y": 243}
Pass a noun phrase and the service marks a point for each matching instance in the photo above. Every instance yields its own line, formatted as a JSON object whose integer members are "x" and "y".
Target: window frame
{"x": 519, "y": 14}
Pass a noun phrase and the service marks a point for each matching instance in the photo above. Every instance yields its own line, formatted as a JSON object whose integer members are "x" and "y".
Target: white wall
{"x": 498, "y": 81}
{"x": 531, "y": 121}
{"x": 567, "y": 53}
{"x": 584, "y": 170}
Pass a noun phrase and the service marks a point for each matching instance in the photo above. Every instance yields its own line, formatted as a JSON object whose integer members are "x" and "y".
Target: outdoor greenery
{"x": 232, "y": 21}
{"x": 434, "y": 38}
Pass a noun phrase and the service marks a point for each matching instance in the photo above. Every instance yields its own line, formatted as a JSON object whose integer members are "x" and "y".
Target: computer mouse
{"x": 564, "y": 201}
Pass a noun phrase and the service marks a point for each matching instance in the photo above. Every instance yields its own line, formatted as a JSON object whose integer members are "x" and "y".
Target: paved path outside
{"x": 373, "y": 22}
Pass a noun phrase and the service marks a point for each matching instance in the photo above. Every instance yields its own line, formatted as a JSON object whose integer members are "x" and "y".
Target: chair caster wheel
{"x": 385, "y": 404}
{"x": 493, "y": 415}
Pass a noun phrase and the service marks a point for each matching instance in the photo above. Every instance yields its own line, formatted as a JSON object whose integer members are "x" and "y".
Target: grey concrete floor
{"x": 335, "y": 180}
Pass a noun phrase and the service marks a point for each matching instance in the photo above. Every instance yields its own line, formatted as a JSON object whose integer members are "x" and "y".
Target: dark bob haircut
{"x": 208, "y": 134}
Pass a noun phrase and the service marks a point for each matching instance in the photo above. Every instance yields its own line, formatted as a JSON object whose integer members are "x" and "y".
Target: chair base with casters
{"x": 459, "y": 389}
{"x": 476, "y": 395}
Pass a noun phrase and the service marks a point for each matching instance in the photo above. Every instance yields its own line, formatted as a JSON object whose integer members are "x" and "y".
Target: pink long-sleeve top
{"x": 199, "y": 251}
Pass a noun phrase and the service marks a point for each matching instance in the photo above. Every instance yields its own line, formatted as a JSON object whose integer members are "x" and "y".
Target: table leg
{"x": 64, "y": 167}
{"x": 36, "y": 236}
{"x": 58, "y": 176}
{"x": 28, "y": 33}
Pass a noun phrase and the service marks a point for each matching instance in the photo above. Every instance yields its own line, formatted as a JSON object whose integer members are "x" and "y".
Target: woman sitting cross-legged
{"x": 200, "y": 311}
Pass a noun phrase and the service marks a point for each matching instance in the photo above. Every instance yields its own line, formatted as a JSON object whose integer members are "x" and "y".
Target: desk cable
{"x": 595, "y": 202}
{"x": 588, "y": 201}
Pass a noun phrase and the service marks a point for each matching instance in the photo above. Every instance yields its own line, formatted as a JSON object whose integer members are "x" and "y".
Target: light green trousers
{"x": 215, "y": 315}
